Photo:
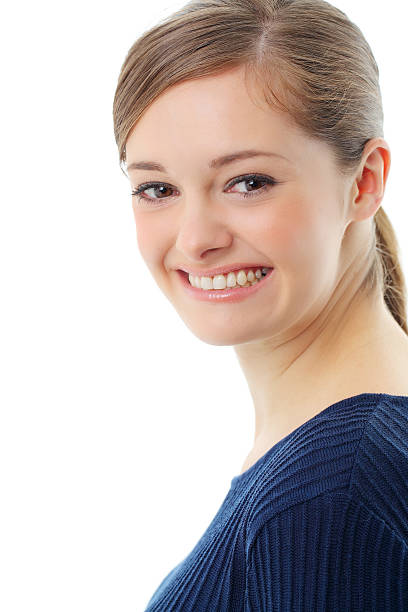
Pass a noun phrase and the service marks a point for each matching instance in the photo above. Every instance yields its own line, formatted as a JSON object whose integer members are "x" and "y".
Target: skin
{"x": 311, "y": 337}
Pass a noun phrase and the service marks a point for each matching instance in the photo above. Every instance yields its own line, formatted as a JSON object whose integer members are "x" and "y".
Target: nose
{"x": 202, "y": 228}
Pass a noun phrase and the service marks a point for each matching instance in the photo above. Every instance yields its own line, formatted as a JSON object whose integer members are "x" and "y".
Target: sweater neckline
{"x": 240, "y": 479}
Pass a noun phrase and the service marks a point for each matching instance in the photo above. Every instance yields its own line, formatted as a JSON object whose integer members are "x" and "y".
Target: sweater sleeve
{"x": 326, "y": 554}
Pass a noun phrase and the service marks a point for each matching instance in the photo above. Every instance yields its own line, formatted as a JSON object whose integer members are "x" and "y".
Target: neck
{"x": 341, "y": 353}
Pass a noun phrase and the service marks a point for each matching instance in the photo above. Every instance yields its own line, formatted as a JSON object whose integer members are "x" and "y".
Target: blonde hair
{"x": 309, "y": 53}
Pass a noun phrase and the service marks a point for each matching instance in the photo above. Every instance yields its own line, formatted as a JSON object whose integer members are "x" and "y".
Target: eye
{"x": 252, "y": 179}
{"x": 138, "y": 192}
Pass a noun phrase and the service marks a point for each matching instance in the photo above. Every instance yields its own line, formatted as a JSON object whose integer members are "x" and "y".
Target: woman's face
{"x": 198, "y": 220}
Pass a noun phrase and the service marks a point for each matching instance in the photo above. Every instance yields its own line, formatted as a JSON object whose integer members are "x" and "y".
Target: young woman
{"x": 252, "y": 135}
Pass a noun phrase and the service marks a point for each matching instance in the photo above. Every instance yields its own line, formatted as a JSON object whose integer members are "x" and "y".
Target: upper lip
{"x": 224, "y": 269}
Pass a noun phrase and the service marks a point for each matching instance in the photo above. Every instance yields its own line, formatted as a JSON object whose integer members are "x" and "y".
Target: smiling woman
{"x": 251, "y": 132}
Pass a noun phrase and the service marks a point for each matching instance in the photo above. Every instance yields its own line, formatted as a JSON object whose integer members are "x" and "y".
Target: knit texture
{"x": 318, "y": 524}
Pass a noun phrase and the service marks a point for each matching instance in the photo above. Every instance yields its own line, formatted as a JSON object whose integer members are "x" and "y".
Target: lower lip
{"x": 223, "y": 295}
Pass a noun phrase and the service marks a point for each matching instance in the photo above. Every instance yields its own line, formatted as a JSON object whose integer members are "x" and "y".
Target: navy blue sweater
{"x": 318, "y": 524}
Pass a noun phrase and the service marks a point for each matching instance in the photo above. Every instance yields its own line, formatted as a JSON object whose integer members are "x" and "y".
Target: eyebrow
{"x": 215, "y": 163}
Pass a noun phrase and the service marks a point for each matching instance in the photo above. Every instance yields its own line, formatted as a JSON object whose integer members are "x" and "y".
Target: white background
{"x": 120, "y": 431}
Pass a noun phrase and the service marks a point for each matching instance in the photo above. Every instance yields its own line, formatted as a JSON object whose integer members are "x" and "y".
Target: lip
{"x": 225, "y": 269}
{"x": 217, "y": 296}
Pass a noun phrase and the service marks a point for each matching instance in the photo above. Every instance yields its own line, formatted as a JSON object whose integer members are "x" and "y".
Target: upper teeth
{"x": 220, "y": 281}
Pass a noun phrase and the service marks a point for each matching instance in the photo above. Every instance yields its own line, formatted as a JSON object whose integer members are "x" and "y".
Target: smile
{"x": 240, "y": 278}
{"x": 232, "y": 287}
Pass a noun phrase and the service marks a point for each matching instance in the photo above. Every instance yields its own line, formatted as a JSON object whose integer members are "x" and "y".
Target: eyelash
{"x": 239, "y": 179}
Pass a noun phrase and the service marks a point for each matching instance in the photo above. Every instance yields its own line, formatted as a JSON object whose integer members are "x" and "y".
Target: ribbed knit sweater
{"x": 318, "y": 524}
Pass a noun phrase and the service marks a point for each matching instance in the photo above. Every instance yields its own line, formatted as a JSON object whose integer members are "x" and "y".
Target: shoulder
{"x": 328, "y": 523}
{"x": 379, "y": 478}
{"x": 327, "y": 553}
{"x": 357, "y": 449}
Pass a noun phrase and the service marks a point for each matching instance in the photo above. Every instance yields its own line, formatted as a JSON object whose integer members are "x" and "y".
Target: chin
{"x": 223, "y": 332}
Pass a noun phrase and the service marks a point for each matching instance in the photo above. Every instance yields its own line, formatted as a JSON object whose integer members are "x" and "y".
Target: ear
{"x": 369, "y": 185}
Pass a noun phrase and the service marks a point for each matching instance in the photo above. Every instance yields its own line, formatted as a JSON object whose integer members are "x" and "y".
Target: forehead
{"x": 212, "y": 116}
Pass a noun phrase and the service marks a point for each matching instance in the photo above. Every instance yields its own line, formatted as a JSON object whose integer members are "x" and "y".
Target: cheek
{"x": 300, "y": 236}
{"x": 152, "y": 236}
{"x": 287, "y": 231}
{"x": 142, "y": 233}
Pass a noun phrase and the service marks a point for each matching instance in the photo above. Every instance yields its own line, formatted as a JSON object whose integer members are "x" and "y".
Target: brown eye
{"x": 258, "y": 184}
{"x": 162, "y": 190}
{"x": 155, "y": 188}
{"x": 254, "y": 180}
